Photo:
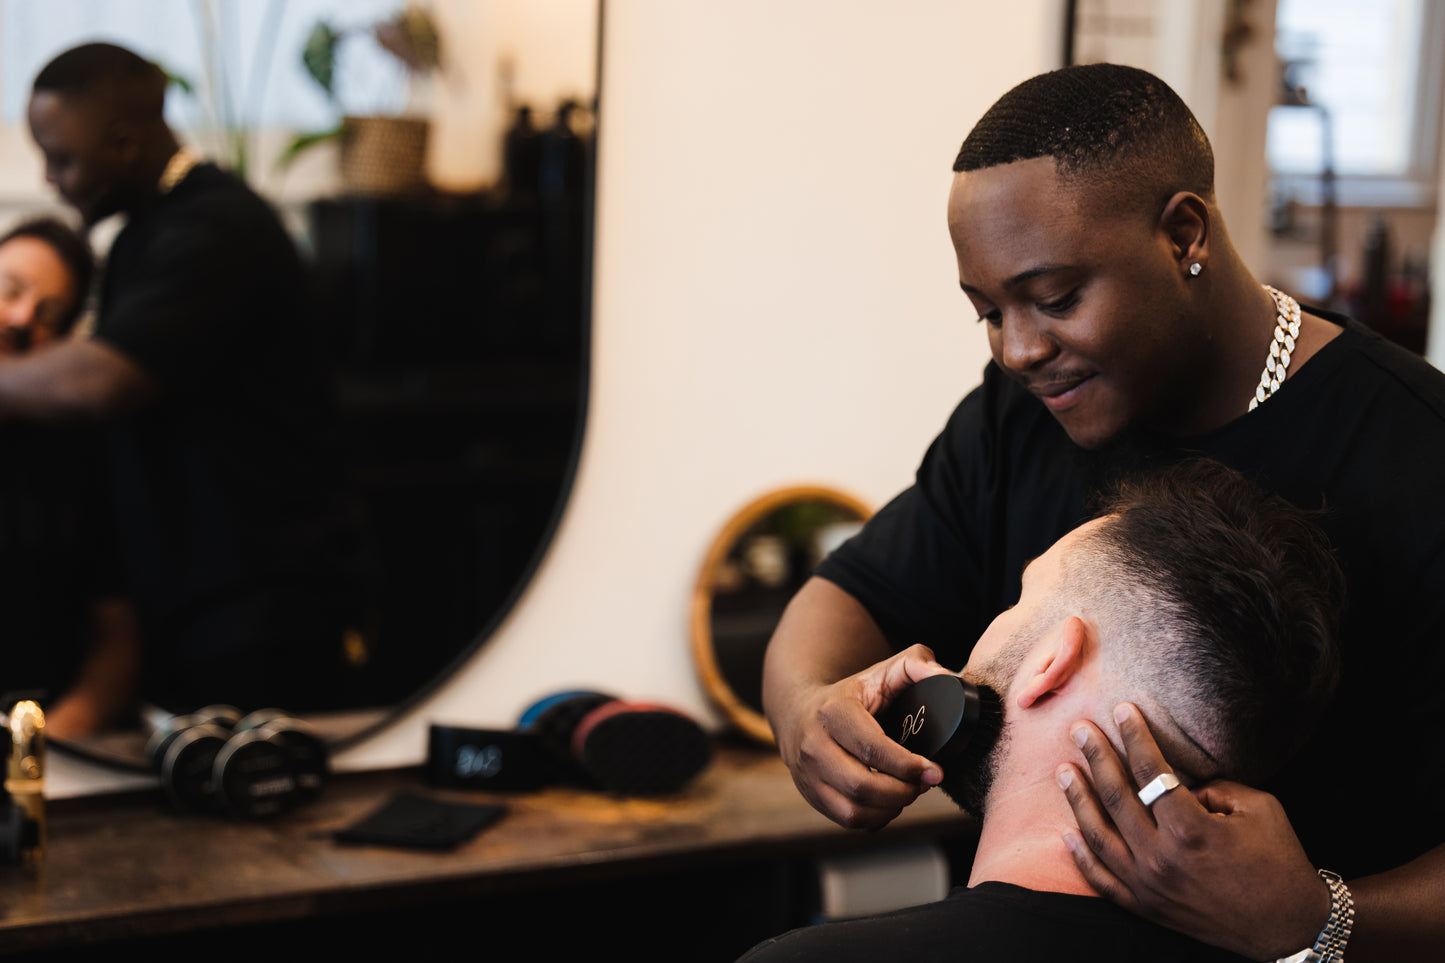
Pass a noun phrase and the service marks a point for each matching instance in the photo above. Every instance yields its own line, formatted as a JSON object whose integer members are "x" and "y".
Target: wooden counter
{"x": 127, "y": 871}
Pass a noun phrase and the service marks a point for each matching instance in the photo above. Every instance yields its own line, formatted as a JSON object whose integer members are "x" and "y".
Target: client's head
{"x": 1209, "y": 603}
{"x": 45, "y": 274}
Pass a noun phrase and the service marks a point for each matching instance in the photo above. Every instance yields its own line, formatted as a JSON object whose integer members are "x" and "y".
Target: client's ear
{"x": 1053, "y": 661}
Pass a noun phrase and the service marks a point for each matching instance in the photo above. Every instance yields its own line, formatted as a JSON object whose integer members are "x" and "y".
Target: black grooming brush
{"x": 943, "y": 718}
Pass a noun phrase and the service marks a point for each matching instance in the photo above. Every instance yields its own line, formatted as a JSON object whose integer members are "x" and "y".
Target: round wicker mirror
{"x": 762, "y": 556}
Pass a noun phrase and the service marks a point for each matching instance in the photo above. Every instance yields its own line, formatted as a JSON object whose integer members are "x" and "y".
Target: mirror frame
{"x": 750, "y": 721}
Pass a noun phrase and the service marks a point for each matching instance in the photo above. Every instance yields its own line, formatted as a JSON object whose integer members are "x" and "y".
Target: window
{"x": 1370, "y": 74}
{"x": 242, "y": 58}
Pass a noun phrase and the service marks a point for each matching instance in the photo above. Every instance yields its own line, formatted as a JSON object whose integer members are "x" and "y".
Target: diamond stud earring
{"x": 1195, "y": 268}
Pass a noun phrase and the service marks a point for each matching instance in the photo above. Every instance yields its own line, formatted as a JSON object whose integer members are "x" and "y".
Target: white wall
{"x": 776, "y": 302}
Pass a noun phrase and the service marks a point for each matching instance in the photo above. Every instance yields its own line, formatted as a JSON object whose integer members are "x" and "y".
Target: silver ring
{"x": 1157, "y": 787}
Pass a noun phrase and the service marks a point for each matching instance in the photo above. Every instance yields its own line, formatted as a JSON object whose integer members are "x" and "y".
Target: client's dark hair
{"x": 1118, "y": 127}
{"x": 134, "y": 84}
{"x": 73, "y": 252}
{"x": 1247, "y": 598}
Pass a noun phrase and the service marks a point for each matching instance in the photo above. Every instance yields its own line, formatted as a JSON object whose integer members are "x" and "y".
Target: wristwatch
{"x": 1329, "y": 946}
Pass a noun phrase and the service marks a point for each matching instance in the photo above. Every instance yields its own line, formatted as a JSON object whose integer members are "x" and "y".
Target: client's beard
{"x": 968, "y": 778}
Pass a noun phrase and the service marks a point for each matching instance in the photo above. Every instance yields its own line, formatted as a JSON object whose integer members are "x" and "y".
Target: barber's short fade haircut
{"x": 1115, "y": 127}
{"x": 1238, "y": 635}
{"x": 74, "y": 252}
{"x": 93, "y": 71}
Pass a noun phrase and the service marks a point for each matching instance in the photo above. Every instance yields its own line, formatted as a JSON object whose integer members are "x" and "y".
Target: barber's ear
{"x": 1053, "y": 662}
{"x": 1185, "y": 220}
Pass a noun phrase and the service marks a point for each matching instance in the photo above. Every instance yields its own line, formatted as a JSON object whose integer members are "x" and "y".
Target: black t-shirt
{"x": 57, "y": 553}
{"x": 1359, "y": 430}
{"x": 234, "y": 536}
{"x": 992, "y": 921}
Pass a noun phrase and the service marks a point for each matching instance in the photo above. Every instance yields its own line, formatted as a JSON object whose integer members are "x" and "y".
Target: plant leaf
{"x": 301, "y": 143}
{"x": 319, "y": 56}
{"x": 411, "y": 36}
{"x": 180, "y": 82}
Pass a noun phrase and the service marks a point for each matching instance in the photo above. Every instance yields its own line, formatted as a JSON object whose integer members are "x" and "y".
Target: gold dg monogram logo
{"x": 912, "y": 723}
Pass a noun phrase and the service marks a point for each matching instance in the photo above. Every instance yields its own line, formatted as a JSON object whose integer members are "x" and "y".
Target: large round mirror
{"x": 458, "y": 325}
{"x": 759, "y": 560}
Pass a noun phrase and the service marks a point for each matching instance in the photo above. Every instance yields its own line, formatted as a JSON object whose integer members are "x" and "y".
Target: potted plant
{"x": 380, "y": 153}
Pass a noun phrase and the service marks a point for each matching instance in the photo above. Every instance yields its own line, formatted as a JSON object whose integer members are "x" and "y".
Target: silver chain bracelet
{"x": 1330, "y": 944}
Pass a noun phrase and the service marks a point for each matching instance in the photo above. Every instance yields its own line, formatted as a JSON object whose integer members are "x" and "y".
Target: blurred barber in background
{"x": 203, "y": 369}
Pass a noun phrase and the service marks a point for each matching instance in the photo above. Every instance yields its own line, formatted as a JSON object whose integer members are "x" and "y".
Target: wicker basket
{"x": 383, "y": 155}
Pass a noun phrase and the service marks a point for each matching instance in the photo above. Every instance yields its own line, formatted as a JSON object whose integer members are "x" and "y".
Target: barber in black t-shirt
{"x": 1123, "y": 324}
{"x": 204, "y": 369}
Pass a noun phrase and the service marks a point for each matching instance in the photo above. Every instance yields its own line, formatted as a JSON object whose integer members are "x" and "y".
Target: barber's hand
{"x": 1221, "y": 864}
{"x": 841, "y": 760}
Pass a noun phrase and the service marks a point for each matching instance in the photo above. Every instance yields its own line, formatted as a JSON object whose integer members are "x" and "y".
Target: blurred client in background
{"x": 70, "y": 637}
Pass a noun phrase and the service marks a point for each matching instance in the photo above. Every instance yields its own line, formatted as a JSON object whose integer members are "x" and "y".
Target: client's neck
{"x": 1021, "y": 840}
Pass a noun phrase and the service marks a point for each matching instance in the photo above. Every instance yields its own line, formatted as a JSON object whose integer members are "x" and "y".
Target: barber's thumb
{"x": 1223, "y": 797}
